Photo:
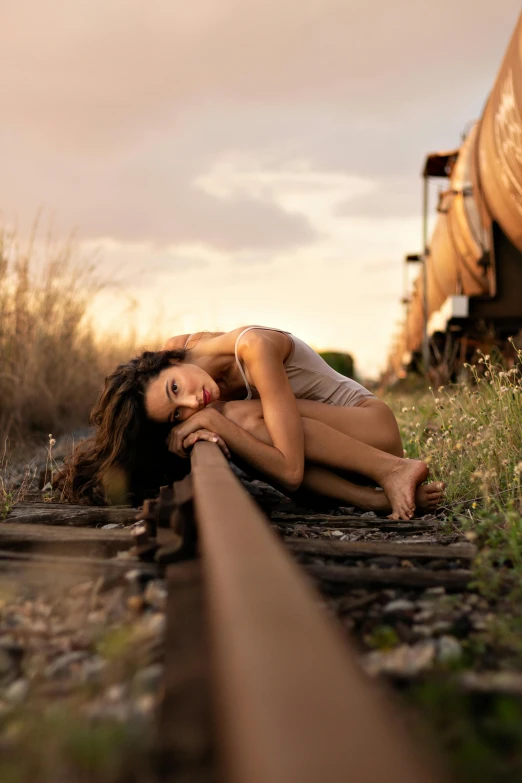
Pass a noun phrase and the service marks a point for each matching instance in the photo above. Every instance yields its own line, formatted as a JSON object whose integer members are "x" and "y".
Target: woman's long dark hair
{"x": 127, "y": 458}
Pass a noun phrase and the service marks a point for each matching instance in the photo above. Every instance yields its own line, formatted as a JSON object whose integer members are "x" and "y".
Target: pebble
{"x": 148, "y": 680}
{"x": 440, "y": 627}
{"x": 424, "y": 616}
{"x": 92, "y": 668}
{"x": 156, "y": 594}
{"x": 115, "y": 693}
{"x": 404, "y": 661}
{"x": 17, "y": 691}
{"x": 448, "y": 649}
{"x": 61, "y": 665}
{"x": 435, "y": 591}
{"x": 400, "y": 606}
{"x": 136, "y": 603}
{"x": 112, "y": 526}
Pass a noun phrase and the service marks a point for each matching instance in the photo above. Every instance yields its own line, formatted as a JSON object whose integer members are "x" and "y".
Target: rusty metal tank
{"x": 498, "y": 183}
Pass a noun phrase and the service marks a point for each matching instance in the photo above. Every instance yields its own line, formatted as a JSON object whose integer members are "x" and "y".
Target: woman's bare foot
{"x": 427, "y": 498}
{"x": 400, "y": 486}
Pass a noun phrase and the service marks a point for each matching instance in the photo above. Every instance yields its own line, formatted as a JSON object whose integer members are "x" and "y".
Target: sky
{"x": 233, "y": 163}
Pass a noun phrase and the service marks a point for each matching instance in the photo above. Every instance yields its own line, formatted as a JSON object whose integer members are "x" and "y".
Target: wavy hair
{"x": 127, "y": 458}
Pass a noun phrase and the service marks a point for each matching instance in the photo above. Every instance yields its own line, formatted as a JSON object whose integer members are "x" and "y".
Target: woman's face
{"x": 179, "y": 391}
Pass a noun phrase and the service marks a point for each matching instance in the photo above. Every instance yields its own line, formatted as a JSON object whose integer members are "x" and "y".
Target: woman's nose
{"x": 192, "y": 402}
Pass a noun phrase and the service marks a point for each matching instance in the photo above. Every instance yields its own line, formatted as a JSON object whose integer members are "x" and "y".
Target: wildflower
{"x": 441, "y": 388}
{"x": 473, "y": 505}
{"x": 518, "y": 468}
{"x": 404, "y": 410}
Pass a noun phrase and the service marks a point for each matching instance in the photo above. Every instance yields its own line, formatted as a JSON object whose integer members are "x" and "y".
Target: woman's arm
{"x": 284, "y": 460}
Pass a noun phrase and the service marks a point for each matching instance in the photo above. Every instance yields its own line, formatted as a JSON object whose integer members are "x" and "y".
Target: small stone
{"x": 111, "y": 526}
{"x": 148, "y": 680}
{"x": 424, "y": 616}
{"x": 448, "y": 649}
{"x": 440, "y": 627}
{"x": 133, "y": 576}
{"x": 115, "y": 693}
{"x": 92, "y": 669}
{"x": 435, "y": 591}
{"x": 156, "y": 594}
{"x": 336, "y": 533}
{"x": 136, "y": 603}
{"x": 399, "y": 607}
{"x": 63, "y": 663}
{"x": 17, "y": 691}
{"x": 144, "y": 706}
{"x": 403, "y": 661}
{"x": 369, "y": 515}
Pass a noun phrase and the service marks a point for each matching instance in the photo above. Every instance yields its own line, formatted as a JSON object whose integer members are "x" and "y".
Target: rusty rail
{"x": 290, "y": 702}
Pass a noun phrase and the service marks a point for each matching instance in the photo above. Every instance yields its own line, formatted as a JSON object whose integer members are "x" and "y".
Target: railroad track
{"x": 261, "y": 682}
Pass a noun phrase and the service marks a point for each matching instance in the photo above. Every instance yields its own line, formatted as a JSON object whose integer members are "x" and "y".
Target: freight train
{"x": 469, "y": 292}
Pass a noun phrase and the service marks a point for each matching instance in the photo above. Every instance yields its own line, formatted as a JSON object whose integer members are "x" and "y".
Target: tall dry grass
{"x": 52, "y": 362}
{"x": 470, "y": 433}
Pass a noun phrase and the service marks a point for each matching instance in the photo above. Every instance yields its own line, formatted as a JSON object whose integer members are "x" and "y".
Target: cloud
{"x": 264, "y": 154}
{"x": 96, "y": 73}
{"x": 394, "y": 197}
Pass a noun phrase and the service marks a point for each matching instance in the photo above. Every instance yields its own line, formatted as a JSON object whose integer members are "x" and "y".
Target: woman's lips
{"x": 206, "y": 397}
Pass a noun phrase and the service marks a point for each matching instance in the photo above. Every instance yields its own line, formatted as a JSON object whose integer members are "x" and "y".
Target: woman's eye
{"x": 174, "y": 387}
{"x": 176, "y": 414}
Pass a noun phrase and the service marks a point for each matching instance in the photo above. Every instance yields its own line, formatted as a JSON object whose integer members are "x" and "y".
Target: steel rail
{"x": 291, "y": 704}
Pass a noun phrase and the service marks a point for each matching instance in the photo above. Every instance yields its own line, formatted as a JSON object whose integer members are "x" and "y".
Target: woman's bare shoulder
{"x": 180, "y": 341}
{"x": 225, "y": 342}
{"x": 280, "y": 342}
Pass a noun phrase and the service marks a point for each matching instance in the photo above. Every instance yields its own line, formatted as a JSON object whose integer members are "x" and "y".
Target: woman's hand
{"x": 212, "y": 437}
{"x": 201, "y": 424}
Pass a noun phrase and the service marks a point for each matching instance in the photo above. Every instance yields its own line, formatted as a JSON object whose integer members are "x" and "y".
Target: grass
{"x": 484, "y": 735}
{"x": 470, "y": 434}
{"x": 52, "y": 360}
{"x": 56, "y": 744}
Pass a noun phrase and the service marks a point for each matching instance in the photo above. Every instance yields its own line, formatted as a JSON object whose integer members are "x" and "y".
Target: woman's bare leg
{"x": 334, "y": 448}
{"x": 327, "y": 483}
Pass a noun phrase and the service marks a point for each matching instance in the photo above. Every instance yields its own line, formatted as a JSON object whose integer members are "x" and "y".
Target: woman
{"x": 266, "y": 397}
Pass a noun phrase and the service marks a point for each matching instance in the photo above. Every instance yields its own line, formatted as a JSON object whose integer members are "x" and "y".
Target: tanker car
{"x": 469, "y": 292}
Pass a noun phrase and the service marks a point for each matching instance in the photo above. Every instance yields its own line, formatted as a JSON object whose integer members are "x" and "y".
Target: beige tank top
{"x": 311, "y": 378}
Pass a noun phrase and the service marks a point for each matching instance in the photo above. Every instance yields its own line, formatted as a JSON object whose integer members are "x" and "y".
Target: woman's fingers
{"x": 212, "y": 437}
{"x": 175, "y": 443}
